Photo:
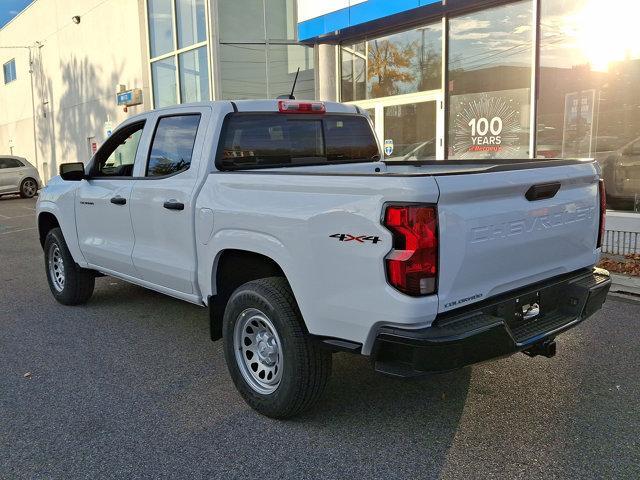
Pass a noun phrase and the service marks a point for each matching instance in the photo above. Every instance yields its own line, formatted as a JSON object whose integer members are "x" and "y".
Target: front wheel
{"x": 276, "y": 367}
{"x": 69, "y": 283}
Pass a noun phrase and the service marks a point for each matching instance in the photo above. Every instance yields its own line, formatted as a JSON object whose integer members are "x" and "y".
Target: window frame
{"x": 120, "y": 131}
{"x": 153, "y": 137}
{"x": 175, "y": 52}
{"x": 12, "y": 64}
{"x": 225, "y": 127}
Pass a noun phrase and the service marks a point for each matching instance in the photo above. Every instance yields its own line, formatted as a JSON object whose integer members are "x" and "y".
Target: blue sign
{"x": 125, "y": 98}
{"x": 316, "y": 21}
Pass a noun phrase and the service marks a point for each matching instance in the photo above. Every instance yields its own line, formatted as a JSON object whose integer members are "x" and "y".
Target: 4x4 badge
{"x": 346, "y": 237}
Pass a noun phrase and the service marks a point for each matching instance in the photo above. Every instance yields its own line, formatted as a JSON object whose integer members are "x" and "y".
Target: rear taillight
{"x": 603, "y": 212}
{"x": 412, "y": 265}
{"x": 292, "y": 106}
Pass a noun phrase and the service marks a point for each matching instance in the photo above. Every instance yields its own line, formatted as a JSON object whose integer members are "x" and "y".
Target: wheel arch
{"x": 47, "y": 221}
{"x": 231, "y": 269}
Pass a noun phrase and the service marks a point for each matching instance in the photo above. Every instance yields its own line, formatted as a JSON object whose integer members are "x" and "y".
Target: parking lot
{"x": 130, "y": 386}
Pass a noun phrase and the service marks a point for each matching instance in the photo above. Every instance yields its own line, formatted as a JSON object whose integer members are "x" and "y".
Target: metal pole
{"x": 33, "y": 112}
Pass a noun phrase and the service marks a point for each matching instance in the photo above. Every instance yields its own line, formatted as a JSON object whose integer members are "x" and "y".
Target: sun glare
{"x": 608, "y": 32}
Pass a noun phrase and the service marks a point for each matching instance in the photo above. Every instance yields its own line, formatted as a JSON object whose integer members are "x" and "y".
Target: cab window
{"x": 118, "y": 155}
{"x": 172, "y": 146}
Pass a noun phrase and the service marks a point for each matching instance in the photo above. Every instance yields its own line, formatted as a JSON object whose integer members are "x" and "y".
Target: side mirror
{"x": 72, "y": 172}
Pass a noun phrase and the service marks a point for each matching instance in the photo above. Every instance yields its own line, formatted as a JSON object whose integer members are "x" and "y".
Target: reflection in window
{"x": 191, "y": 22}
{"x": 160, "y": 27}
{"x": 266, "y": 140}
{"x": 259, "y": 61}
{"x": 194, "y": 75}
{"x": 589, "y": 101}
{"x": 397, "y": 64}
{"x": 412, "y": 128}
{"x": 163, "y": 77}
{"x": 243, "y": 70}
{"x": 255, "y": 71}
{"x": 490, "y": 56}
{"x": 172, "y": 146}
{"x": 283, "y": 63}
{"x": 241, "y": 21}
{"x": 117, "y": 156}
{"x": 281, "y": 20}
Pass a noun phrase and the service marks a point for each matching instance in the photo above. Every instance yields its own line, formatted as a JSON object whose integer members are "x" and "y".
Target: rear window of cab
{"x": 266, "y": 140}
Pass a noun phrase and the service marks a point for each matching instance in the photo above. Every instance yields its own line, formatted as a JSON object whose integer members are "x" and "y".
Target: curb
{"x": 624, "y": 283}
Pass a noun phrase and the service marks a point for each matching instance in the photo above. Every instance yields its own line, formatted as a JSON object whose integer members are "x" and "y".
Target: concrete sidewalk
{"x": 625, "y": 284}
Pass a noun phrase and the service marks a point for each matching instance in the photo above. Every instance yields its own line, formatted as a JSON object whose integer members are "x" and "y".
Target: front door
{"x": 163, "y": 202}
{"x": 410, "y": 127}
{"x": 103, "y": 203}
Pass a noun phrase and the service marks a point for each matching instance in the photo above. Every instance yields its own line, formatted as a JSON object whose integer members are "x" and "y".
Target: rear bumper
{"x": 493, "y": 328}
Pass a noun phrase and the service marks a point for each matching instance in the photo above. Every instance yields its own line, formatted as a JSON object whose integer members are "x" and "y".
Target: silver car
{"x": 18, "y": 176}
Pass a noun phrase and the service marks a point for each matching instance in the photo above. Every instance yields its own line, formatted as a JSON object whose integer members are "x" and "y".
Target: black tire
{"x": 78, "y": 283}
{"x": 28, "y": 188}
{"x": 306, "y": 366}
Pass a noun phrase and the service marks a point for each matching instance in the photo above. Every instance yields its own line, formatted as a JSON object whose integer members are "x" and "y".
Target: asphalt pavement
{"x": 130, "y": 386}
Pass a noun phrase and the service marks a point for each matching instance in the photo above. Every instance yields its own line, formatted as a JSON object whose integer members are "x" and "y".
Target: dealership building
{"x": 443, "y": 80}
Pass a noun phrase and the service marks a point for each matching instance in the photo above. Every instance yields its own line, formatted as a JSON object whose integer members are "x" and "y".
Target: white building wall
{"x": 76, "y": 72}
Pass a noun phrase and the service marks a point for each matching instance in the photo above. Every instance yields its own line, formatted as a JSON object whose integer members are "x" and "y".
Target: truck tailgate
{"x": 494, "y": 239}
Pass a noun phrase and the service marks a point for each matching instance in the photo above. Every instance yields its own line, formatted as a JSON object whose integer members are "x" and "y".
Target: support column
{"x": 327, "y": 72}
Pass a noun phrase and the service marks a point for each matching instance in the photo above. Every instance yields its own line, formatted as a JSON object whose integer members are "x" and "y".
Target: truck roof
{"x": 267, "y": 105}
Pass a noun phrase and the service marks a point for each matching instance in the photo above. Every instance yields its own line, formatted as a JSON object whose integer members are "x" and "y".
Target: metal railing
{"x": 621, "y": 243}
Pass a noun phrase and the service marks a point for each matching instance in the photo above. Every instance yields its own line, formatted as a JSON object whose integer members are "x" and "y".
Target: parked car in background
{"x": 620, "y": 170}
{"x": 17, "y": 175}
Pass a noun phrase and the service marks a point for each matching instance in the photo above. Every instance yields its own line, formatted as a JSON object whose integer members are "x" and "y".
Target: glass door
{"x": 410, "y": 127}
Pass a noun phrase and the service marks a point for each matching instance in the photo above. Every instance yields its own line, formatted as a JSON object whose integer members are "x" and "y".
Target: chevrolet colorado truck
{"x": 282, "y": 218}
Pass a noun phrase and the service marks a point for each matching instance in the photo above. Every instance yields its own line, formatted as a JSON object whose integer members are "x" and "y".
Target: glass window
{"x": 243, "y": 71}
{"x": 10, "y": 163}
{"x": 349, "y": 138}
{"x": 9, "y": 70}
{"x": 281, "y": 21}
{"x": 118, "y": 155}
{"x": 172, "y": 146}
{"x": 191, "y": 22}
{"x": 241, "y": 21}
{"x": 267, "y": 140}
{"x": 410, "y": 131}
{"x": 160, "y": 27}
{"x": 589, "y": 91}
{"x": 490, "y": 55}
{"x": 284, "y": 61}
{"x": 163, "y": 76}
{"x": 194, "y": 75}
{"x": 397, "y": 64}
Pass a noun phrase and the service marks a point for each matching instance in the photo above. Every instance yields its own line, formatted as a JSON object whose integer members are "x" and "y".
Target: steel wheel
{"x": 258, "y": 351}
{"x": 56, "y": 268}
{"x": 29, "y": 188}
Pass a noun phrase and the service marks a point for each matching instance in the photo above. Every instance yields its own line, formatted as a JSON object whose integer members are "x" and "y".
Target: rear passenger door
{"x": 163, "y": 201}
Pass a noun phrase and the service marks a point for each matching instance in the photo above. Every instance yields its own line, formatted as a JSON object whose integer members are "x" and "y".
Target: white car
{"x": 281, "y": 218}
{"x": 17, "y": 175}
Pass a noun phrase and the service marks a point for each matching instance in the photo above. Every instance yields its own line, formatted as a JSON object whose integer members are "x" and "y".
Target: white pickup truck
{"x": 282, "y": 218}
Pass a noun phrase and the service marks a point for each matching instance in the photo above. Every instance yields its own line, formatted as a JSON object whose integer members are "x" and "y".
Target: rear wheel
{"x": 69, "y": 283}
{"x": 277, "y": 368}
{"x": 28, "y": 188}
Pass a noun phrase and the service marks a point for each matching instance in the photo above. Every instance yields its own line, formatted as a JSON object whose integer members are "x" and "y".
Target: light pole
{"x": 33, "y": 101}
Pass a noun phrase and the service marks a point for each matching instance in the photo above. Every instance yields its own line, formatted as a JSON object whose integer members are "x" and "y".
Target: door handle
{"x": 119, "y": 200}
{"x": 543, "y": 191}
{"x": 173, "y": 205}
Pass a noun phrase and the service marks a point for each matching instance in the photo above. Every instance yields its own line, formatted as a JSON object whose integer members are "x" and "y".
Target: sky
{"x": 10, "y": 8}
